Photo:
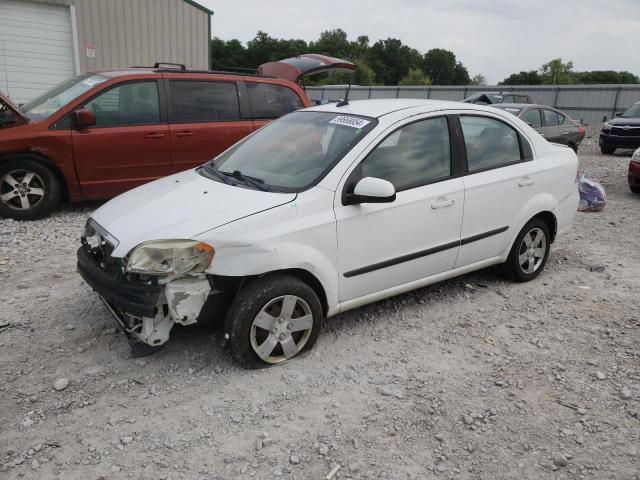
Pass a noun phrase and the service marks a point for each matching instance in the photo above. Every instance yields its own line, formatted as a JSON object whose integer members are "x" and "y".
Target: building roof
{"x": 199, "y": 7}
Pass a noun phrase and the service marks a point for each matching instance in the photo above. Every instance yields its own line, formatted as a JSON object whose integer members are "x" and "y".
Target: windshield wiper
{"x": 253, "y": 181}
{"x": 221, "y": 175}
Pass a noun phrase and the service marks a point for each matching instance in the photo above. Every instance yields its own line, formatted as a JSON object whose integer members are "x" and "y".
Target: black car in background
{"x": 551, "y": 123}
{"x": 622, "y": 131}
{"x": 490, "y": 98}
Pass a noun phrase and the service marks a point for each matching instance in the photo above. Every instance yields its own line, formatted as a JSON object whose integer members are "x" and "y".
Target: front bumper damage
{"x": 146, "y": 307}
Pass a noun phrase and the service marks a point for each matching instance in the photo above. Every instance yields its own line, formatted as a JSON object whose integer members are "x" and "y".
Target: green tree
{"x": 443, "y": 68}
{"x": 605, "y": 76}
{"x": 228, "y": 54}
{"x": 264, "y": 48}
{"x": 523, "y": 78}
{"x": 478, "y": 79}
{"x": 557, "y": 73}
{"x": 333, "y": 43}
{"x": 391, "y": 60}
{"x": 415, "y": 76}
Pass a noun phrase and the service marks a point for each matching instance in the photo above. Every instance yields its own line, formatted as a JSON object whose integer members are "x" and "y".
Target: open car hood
{"x": 308, "y": 64}
{"x": 5, "y": 102}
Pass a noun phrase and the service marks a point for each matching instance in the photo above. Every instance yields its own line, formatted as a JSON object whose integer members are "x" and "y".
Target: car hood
{"x": 6, "y": 101}
{"x": 308, "y": 64}
{"x": 180, "y": 206}
{"x": 622, "y": 121}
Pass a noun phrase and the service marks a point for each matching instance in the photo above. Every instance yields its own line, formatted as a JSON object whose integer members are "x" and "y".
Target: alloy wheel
{"x": 21, "y": 189}
{"x": 281, "y": 329}
{"x": 532, "y": 250}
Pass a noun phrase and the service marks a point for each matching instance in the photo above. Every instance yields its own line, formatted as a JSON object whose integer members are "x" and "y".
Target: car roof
{"x": 521, "y": 105}
{"x": 379, "y": 107}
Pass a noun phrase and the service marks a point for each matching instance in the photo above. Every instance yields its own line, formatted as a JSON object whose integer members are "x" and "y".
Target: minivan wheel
{"x": 574, "y": 147}
{"x": 606, "y": 149}
{"x": 635, "y": 189}
{"x": 273, "y": 319}
{"x": 529, "y": 253}
{"x": 28, "y": 190}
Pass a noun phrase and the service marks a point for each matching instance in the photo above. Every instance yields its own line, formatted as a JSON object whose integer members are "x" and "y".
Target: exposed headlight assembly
{"x": 636, "y": 156}
{"x": 606, "y": 126}
{"x": 170, "y": 257}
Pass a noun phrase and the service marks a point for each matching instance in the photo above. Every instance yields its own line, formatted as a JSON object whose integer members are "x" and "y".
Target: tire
{"x": 635, "y": 190}
{"x": 17, "y": 198}
{"x": 607, "y": 150}
{"x": 574, "y": 147}
{"x": 514, "y": 268}
{"x": 256, "y": 323}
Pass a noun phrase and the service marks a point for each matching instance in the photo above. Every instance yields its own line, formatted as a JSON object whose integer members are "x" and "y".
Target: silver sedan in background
{"x": 551, "y": 123}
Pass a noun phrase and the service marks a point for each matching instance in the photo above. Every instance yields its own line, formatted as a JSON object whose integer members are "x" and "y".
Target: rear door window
{"x": 490, "y": 143}
{"x": 195, "y": 101}
{"x": 272, "y": 101}
{"x": 134, "y": 103}
{"x": 532, "y": 117}
{"x": 552, "y": 118}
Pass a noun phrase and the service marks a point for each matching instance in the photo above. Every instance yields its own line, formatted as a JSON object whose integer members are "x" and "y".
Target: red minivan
{"x": 105, "y": 132}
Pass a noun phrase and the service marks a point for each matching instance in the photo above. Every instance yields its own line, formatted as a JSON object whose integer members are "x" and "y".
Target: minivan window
{"x": 50, "y": 102}
{"x": 413, "y": 155}
{"x": 272, "y": 101}
{"x": 489, "y": 143}
{"x": 295, "y": 151}
{"x": 203, "y": 101}
{"x": 134, "y": 103}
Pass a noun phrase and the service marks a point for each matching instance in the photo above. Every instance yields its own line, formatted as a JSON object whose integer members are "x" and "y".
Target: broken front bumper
{"x": 145, "y": 309}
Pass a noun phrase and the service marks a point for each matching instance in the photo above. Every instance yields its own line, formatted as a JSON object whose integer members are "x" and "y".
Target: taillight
{"x": 582, "y": 129}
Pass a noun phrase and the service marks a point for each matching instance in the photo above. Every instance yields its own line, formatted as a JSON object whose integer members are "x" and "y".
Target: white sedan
{"x": 324, "y": 210}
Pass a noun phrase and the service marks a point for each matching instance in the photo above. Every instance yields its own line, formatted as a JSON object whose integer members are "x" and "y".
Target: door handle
{"x": 154, "y": 135}
{"x": 442, "y": 203}
{"x": 184, "y": 134}
{"x": 525, "y": 182}
{"x": 565, "y": 133}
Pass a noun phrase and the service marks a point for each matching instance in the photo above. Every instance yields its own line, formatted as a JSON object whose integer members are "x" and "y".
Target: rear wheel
{"x": 607, "y": 150}
{"x": 28, "y": 190}
{"x": 529, "y": 253}
{"x": 273, "y": 319}
{"x": 574, "y": 147}
{"x": 635, "y": 190}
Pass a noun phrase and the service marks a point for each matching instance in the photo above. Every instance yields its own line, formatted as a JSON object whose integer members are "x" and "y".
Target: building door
{"x": 36, "y": 48}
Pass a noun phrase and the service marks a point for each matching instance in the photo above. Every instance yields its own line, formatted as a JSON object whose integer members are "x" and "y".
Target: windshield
{"x": 632, "y": 112}
{"x": 295, "y": 151}
{"x": 50, "y": 102}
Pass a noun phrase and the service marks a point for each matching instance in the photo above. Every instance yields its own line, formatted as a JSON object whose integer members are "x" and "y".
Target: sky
{"x": 492, "y": 37}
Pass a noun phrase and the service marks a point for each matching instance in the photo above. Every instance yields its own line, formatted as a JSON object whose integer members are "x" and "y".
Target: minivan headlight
{"x": 170, "y": 257}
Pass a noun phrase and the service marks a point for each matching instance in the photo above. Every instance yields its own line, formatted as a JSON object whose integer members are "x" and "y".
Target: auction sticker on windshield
{"x": 348, "y": 121}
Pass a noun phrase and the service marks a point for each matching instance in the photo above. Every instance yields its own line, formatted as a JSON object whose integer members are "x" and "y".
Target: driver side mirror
{"x": 371, "y": 190}
{"x": 83, "y": 118}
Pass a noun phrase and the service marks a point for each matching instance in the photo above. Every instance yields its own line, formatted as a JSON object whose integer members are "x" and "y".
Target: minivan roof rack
{"x": 168, "y": 67}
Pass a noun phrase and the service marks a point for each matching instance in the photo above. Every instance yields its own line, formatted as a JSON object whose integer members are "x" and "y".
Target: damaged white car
{"x": 324, "y": 210}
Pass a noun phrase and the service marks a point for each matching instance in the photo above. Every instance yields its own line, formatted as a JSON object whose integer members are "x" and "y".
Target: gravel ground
{"x": 474, "y": 378}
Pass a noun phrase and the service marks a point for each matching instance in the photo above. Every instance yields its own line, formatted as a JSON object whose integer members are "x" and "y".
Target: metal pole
{"x": 555, "y": 100}
{"x": 615, "y": 102}
{"x": 369, "y": 93}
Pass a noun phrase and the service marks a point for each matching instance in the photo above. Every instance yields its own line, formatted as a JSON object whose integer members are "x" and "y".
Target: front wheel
{"x": 606, "y": 149}
{"x": 273, "y": 319}
{"x": 28, "y": 190}
{"x": 529, "y": 253}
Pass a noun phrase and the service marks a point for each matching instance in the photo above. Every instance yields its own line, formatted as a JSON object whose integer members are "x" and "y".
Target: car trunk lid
{"x": 308, "y": 64}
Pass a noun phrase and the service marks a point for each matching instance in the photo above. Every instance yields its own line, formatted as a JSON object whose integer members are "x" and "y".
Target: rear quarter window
{"x": 272, "y": 101}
